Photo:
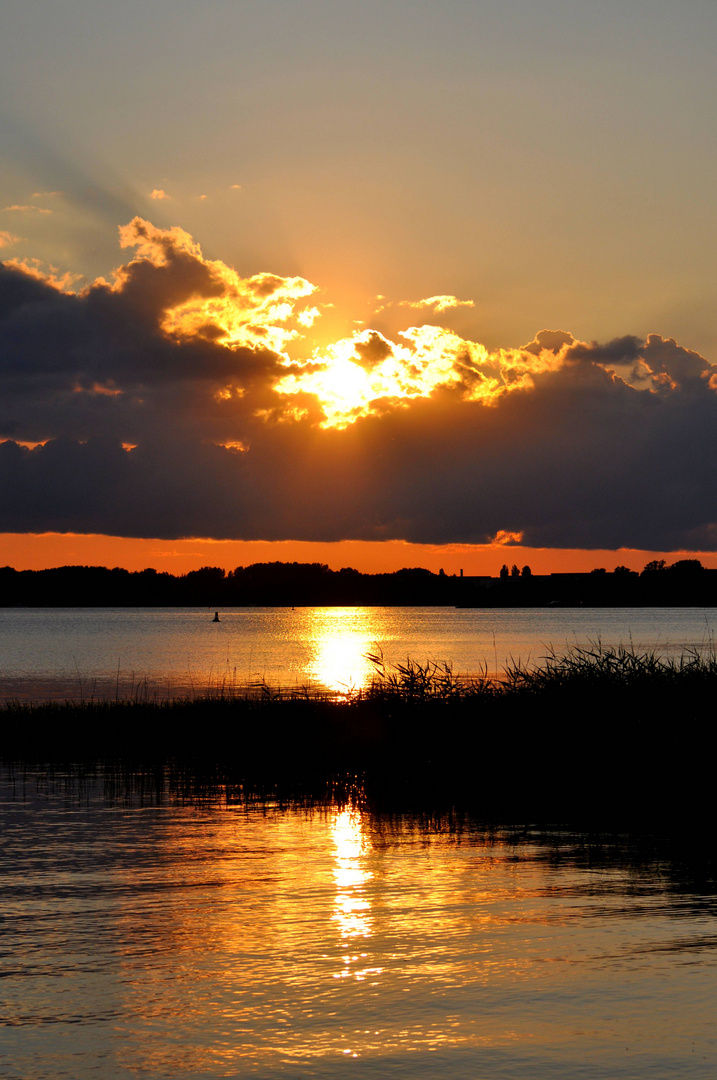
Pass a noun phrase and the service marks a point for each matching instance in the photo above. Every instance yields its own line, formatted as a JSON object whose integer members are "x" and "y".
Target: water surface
{"x": 108, "y": 652}
{"x": 227, "y": 939}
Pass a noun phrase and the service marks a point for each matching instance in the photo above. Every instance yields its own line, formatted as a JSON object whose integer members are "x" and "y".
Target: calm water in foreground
{"x": 121, "y": 652}
{"x": 211, "y": 940}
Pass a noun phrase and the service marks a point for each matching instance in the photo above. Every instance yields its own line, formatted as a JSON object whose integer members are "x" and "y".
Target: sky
{"x": 369, "y": 284}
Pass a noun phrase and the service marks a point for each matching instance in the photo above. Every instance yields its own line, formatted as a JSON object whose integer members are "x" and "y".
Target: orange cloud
{"x": 29, "y": 209}
{"x": 236, "y": 446}
{"x": 228, "y": 309}
{"x": 438, "y": 303}
{"x": 45, "y": 272}
{"x": 7, "y": 238}
{"x": 159, "y": 193}
{"x": 97, "y": 388}
{"x": 368, "y": 372}
{"x": 503, "y": 537}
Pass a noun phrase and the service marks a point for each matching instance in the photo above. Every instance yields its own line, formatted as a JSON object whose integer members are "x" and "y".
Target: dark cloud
{"x": 372, "y": 351}
{"x": 563, "y": 448}
{"x": 619, "y": 351}
{"x": 551, "y": 340}
{"x": 98, "y": 363}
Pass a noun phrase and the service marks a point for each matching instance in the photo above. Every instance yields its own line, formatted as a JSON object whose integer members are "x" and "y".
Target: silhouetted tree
{"x": 504, "y": 572}
{"x": 686, "y": 566}
{"x": 526, "y": 572}
{"x": 514, "y": 571}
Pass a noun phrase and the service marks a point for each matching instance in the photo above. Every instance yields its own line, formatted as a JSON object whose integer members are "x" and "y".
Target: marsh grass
{"x": 592, "y": 731}
{"x": 597, "y": 666}
{"x": 416, "y": 683}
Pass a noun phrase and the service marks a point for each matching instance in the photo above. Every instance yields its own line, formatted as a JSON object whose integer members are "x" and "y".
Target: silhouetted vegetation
{"x": 684, "y": 583}
{"x": 604, "y": 734}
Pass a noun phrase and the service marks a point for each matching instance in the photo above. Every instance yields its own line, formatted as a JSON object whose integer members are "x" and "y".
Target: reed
{"x": 597, "y": 666}
{"x": 414, "y": 683}
{"x": 591, "y": 730}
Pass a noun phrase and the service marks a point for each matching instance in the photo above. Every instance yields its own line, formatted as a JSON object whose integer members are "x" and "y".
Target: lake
{"x": 126, "y": 652}
{"x": 148, "y": 935}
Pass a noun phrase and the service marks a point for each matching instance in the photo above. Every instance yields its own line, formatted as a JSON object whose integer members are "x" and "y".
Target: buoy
{"x": 216, "y": 617}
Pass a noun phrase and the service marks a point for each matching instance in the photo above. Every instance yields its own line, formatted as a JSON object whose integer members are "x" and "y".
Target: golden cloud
{"x": 252, "y": 312}
{"x": 504, "y": 536}
{"x": 367, "y": 372}
{"x": 17, "y": 208}
{"x": 438, "y": 303}
{"x": 45, "y": 272}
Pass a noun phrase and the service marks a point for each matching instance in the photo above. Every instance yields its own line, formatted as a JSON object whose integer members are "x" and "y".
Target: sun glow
{"x": 369, "y": 373}
{"x": 353, "y": 377}
{"x": 366, "y": 373}
{"x": 249, "y": 312}
{"x": 341, "y": 639}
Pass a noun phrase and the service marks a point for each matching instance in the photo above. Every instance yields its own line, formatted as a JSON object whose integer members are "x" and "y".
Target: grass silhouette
{"x": 607, "y": 732}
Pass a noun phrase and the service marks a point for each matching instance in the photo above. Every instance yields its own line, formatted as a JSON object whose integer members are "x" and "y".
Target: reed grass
{"x": 594, "y": 730}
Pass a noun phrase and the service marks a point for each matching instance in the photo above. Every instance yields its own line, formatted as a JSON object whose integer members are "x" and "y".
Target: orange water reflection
{"x": 339, "y": 640}
{"x": 352, "y": 911}
{"x": 352, "y": 905}
{"x": 258, "y": 941}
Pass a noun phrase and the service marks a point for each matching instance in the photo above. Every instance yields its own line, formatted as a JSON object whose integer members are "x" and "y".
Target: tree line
{"x": 685, "y": 582}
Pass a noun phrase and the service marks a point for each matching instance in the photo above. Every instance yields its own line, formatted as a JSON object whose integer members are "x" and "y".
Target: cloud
{"x": 29, "y": 209}
{"x": 505, "y": 538}
{"x": 236, "y": 187}
{"x": 46, "y": 194}
{"x": 167, "y": 402}
{"x": 44, "y": 272}
{"x": 549, "y": 341}
{"x": 159, "y": 193}
{"x": 216, "y": 304}
{"x": 438, "y": 303}
{"x": 7, "y": 238}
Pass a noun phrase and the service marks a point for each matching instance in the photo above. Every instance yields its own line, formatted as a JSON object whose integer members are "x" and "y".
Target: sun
{"x": 352, "y": 376}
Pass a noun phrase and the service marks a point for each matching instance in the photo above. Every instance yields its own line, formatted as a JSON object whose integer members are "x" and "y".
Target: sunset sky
{"x": 374, "y": 284}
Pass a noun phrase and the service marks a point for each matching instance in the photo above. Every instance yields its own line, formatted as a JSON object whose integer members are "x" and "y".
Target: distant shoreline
{"x": 684, "y": 584}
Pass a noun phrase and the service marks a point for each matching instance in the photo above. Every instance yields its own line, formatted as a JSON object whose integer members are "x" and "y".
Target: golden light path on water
{"x": 236, "y": 939}
{"x": 350, "y": 874}
{"x": 340, "y": 641}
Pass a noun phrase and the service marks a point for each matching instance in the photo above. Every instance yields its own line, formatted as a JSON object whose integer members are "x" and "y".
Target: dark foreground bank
{"x": 604, "y": 735}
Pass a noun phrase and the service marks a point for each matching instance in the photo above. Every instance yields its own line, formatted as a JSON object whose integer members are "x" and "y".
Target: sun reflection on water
{"x": 353, "y": 909}
{"x": 340, "y": 639}
{"x": 352, "y": 905}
